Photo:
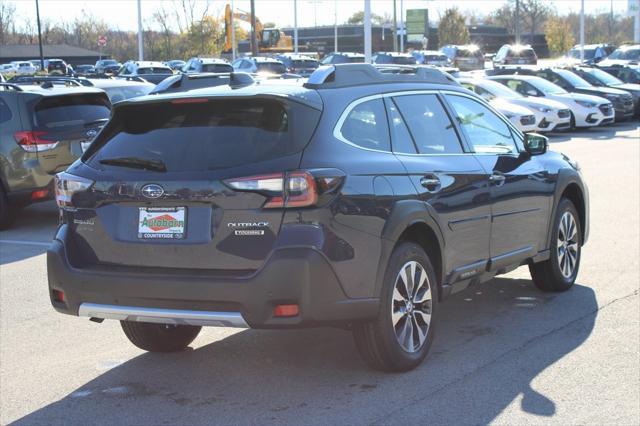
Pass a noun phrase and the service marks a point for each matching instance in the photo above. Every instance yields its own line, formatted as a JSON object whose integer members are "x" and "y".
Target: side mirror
{"x": 535, "y": 144}
{"x": 532, "y": 92}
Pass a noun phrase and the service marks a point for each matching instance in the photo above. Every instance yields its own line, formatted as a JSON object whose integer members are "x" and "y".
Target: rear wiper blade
{"x": 94, "y": 122}
{"x": 136, "y": 163}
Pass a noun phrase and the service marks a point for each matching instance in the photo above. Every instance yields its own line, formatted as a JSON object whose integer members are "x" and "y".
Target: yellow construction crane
{"x": 270, "y": 40}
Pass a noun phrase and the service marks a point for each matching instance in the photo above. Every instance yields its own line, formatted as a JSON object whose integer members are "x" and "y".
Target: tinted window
{"x": 355, "y": 59}
{"x": 5, "y": 112}
{"x": 63, "y": 112}
{"x": 143, "y": 71}
{"x": 400, "y": 137}
{"x": 305, "y": 63}
{"x": 429, "y": 124}
{"x": 486, "y": 132}
{"x": 404, "y": 60}
{"x": 117, "y": 94}
{"x": 206, "y": 136}
{"x": 366, "y": 126}
{"x": 271, "y": 67}
{"x": 217, "y": 68}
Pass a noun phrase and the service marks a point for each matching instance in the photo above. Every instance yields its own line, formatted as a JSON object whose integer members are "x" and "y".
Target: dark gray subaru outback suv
{"x": 363, "y": 198}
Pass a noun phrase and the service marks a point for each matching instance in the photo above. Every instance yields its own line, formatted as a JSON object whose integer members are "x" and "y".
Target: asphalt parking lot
{"x": 504, "y": 352}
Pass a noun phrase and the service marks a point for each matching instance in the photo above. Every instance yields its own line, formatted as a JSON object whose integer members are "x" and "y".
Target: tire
{"x": 559, "y": 272}
{"x": 6, "y": 214}
{"x": 379, "y": 341}
{"x": 159, "y": 337}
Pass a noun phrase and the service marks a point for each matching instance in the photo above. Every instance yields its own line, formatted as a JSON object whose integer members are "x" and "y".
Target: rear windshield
{"x": 64, "y": 112}
{"x": 271, "y": 67}
{"x": 436, "y": 57}
{"x": 524, "y": 53}
{"x": 355, "y": 59}
{"x": 143, "y": 71}
{"x": 304, "y": 63}
{"x": 403, "y": 60}
{"x": 217, "y": 68}
{"x": 215, "y": 134}
{"x": 465, "y": 53}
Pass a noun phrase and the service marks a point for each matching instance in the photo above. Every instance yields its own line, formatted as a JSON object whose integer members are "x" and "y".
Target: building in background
{"x": 70, "y": 54}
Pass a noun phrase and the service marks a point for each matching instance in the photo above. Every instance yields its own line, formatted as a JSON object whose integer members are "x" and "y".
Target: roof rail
{"x": 53, "y": 79}
{"x": 11, "y": 86}
{"x": 345, "y": 75}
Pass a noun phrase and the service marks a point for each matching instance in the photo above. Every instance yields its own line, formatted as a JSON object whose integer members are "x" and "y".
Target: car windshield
{"x": 603, "y": 77}
{"x": 217, "y": 68}
{"x": 271, "y": 68}
{"x": 354, "y": 59}
{"x": 304, "y": 63}
{"x": 573, "y": 78}
{"x": 547, "y": 87}
{"x": 627, "y": 54}
{"x": 523, "y": 53}
{"x": 154, "y": 70}
{"x": 498, "y": 90}
{"x": 588, "y": 53}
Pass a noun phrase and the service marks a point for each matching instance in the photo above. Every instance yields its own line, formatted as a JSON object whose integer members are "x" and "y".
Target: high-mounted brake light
{"x": 67, "y": 185}
{"x": 31, "y": 141}
{"x": 296, "y": 189}
{"x": 190, "y": 101}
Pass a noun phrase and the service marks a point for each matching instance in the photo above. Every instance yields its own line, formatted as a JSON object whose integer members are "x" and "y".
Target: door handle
{"x": 497, "y": 179}
{"x": 431, "y": 182}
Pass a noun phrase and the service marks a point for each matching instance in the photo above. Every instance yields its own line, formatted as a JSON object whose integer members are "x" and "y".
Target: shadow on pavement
{"x": 492, "y": 342}
{"x": 30, "y": 233}
{"x": 598, "y": 133}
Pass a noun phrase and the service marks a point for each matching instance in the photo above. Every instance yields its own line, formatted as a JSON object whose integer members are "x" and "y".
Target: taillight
{"x": 32, "y": 142}
{"x": 290, "y": 190}
{"x": 67, "y": 185}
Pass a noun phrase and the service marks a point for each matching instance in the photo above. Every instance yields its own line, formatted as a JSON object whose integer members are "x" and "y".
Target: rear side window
{"x": 215, "y": 134}
{"x": 54, "y": 113}
{"x": 429, "y": 124}
{"x": 217, "y": 68}
{"x": 366, "y": 126}
{"x": 5, "y": 112}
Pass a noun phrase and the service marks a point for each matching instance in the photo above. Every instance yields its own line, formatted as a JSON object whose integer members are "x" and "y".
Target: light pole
{"x": 140, "y": 34}
{"x": 517, "y": 19}
{"x": 367, "y": 31}
{"x": 233, "y": 33}
{"x": 581, "y": 31}
{"x": 39, "y": 36}
{"x": 401, "y": 25}
{"x": 395, "y": 27}
{"x": 295, "y": 26}
{"x": 335, "y": 25}
{"x": 254, "y": 37}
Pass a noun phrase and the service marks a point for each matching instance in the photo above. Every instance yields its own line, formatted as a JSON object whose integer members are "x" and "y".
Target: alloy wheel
{"x": 411, "y": 306}
{"x": 567, "y": 245}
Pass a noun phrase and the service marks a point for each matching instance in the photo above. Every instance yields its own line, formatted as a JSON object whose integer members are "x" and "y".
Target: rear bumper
{"x": 301, "y": 276}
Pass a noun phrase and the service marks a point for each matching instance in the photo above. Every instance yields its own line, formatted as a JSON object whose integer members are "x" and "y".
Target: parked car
{"x": 600, "y": 78}
{"x": 593, "y": 53}
{"x": 43, "y": 129}
{"x": 626, "y": 74}
{"x": 586, "y": 110}
{"x": 36, "y": 63}
{"x": 628, "y": 54}
{"x": 199, "y": 65}
{"x": 120, "y": 89}
{"x": 301, "y": 65}
{"x": 342, "y": 58}
{"x": 153, "y": 72}
{"x": 622, "y": 101}
{"x": 259, "y": 65}
{"x": 175, "y": 64}
{"x": 431, "y": 57}
{"x": 287, "y": 206}
{"x": 393, "y": 58}
{"x": 516, "y": 54}
{"x": 85, "y": 70}
{"x": 107, "y": 66}
{"x": 7, "y": 69}
{"x": 549, "y": 115}
{"x": 465, "y": 58}
{"x": 24, "y": 67}
{"x": 56, "y": 66}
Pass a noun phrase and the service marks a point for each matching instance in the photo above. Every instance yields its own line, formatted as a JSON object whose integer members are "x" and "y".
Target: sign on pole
{"x": 417, "y": 25}
{"x": 102, "y": 41}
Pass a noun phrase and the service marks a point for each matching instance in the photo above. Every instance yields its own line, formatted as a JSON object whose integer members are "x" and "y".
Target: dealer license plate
{"x": 162, "y": 223}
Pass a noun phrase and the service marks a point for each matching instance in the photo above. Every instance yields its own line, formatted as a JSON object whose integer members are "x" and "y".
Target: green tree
{"x": 557, "y": 31}
{"x": 452, "y": 28}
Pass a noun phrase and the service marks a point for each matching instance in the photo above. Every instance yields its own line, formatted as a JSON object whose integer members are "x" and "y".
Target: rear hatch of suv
{"x": 62, "y": 125}
{"x": 191, "y": 184}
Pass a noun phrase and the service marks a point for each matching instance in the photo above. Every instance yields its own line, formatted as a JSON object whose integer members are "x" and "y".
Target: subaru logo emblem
{"x": 152, "y": 191}
{"x": 91, "y": 134}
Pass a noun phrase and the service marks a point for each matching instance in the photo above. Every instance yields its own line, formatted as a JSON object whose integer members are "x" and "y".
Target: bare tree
{"x": 7, "y": 15}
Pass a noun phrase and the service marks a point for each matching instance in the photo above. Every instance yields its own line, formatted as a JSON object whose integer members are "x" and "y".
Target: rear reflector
{"x": 39, "y": 194}
{"x": 286, "y": 311}
{"x": 58, "y": 295}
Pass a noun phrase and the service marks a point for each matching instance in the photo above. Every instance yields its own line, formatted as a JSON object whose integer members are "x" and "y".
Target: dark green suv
{"x": 43, "y": 129}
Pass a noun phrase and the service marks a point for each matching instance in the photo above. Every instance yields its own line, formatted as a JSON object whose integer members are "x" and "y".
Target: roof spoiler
{"x": 346, "y": 75}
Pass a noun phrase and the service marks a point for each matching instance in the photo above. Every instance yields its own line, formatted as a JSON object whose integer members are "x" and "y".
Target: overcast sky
{"x": 123, "y": 13}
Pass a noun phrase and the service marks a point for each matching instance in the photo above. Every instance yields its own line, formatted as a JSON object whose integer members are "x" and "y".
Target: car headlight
{"x": 586, "y": 104}
{"x": 540, "y": 108}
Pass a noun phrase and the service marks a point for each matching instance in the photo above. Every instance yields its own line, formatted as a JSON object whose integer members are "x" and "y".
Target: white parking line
{"x": 28, "y": 243}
